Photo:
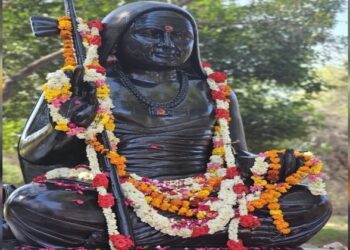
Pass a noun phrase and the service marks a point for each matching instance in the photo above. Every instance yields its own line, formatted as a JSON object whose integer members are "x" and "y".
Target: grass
{"x": 335, "y": 230}
{"x": 11, "y": 172}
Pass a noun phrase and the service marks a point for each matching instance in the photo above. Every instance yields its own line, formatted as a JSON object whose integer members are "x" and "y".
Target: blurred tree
{"x": 266, "y": 46}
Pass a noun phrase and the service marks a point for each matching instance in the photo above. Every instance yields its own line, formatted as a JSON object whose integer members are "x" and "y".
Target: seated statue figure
{"x": 164, "y": 119}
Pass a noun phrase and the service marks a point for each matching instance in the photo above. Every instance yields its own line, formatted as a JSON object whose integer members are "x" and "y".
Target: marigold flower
{"x": 148, "y": 198}
{"x": 62, "y": 126}
{"x": 291, "y": 180}
{"x": 156, "y": 202}
{"x": 202, "y": 194}
{"x": 274, "y": 212}
{"x": 110, "y": 125}
{"x": 173, "y": 209}
{"x": 200, "y": 215}
{"x": 218, "y": 151}
{"x": 182, "y": 211}
{"x": 190, "y": 213}
{"x": 64, "y": 25}
{"x": 185, "y": 204}
{"x": 165, "y": 206}
{"x": 102, "y": 92}
{"x": 274, "y": 206}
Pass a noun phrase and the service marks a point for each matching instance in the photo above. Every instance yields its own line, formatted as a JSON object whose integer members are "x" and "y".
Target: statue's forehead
{"x": 160, "y": 19}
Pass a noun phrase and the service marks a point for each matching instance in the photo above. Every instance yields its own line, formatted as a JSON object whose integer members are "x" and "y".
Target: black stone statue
{"x": 158, "y": 66}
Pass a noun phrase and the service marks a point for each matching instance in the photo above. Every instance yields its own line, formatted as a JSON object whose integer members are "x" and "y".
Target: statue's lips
{"x": 163, "y": 54}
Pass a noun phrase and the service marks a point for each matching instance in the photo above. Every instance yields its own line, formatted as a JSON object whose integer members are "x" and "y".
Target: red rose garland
{"x": 106, "y": 201}
{"x": 100, "y": 180}
{"x": 121, "y": 242}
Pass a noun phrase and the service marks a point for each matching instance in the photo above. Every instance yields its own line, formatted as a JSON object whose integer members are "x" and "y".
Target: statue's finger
{"x": 77, "y": 81}
{"x": 289, "y": 164}
{"x": 91, "y": 93}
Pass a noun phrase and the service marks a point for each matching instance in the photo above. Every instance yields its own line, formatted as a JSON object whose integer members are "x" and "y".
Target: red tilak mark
{"x": 168, "y": 28}
{"x": 154, "y": 146}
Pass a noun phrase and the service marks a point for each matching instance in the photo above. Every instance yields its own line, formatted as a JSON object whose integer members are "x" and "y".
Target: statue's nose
{"x": 167, "y": 41}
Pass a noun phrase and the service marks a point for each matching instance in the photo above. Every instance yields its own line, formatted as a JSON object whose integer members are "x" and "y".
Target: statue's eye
{"x": 181, "y": 35}
{"x": 151, "y": 33}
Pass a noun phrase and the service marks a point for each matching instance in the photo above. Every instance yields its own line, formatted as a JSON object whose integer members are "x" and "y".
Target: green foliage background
{"x": 267, "y": 47}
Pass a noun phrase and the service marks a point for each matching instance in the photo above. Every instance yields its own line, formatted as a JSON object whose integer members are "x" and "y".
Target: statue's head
{"x": 158, "y": 39}
{"x": 152, "y": 35}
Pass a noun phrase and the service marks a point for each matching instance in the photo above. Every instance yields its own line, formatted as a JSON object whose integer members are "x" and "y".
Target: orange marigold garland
{"x": 269, "y": 193}
{"x": 65, "y": 27}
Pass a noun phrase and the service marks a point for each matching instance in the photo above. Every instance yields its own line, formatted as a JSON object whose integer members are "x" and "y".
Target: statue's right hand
{"x": 82, "y": 107}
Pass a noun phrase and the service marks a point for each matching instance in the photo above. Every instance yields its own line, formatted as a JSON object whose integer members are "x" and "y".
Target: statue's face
{"x": 159, "y": 39}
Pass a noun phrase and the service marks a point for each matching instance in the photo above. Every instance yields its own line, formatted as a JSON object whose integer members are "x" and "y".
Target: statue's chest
{"x": 131, "y": 113}
{"x": 173, "y": 146}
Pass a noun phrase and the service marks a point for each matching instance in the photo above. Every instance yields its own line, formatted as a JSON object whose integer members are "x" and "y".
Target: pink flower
{"x": 219, "y": 143}
{"x": 315, "y": 161}
{"x": 79, "y": 202}
{"x": 77, "y": 102}
{"x": 101, "y": 110}
{"x": 313, "y": 177}
{"x": 264, "y": 155}
{"x": 99, "y": 83}
{"x": 213, "y": 165}
{"x": 206, "y": 65}
{"x": 256, "y": 188}
{"x": 56, "y": 103}
{"x": 128, "y": 202}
